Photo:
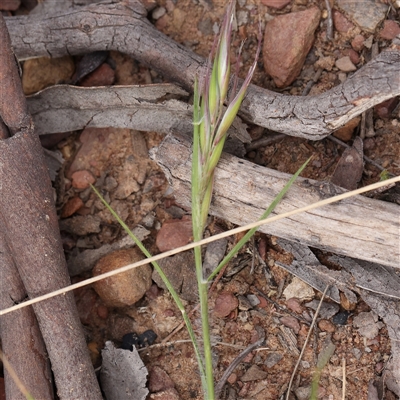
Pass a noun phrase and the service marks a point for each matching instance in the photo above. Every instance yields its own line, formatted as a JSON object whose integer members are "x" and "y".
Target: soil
{"x": 193, "y": 23}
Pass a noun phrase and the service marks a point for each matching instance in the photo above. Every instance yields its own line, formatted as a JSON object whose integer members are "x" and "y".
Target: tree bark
{"x": 21, "y": 340}
{"x": 124, "y": 27}
{"x": 358, "y": 227}
{"x": 29, "y": 223}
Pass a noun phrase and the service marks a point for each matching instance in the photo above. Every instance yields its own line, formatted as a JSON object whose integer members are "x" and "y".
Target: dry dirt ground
{"x": 265, "y": 373}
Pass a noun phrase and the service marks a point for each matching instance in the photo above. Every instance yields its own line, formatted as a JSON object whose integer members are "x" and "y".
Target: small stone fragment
{"x": 390, "y": 30}
{"x": 174, "y": 233}
{"x": 82, "y": 179}
{"x": 159, "y": 380}
{"x": 300, "y": 289}
{"x": 169, "y": 394}
{"x": 341, "y": 23}
{"x": 326, "y": 63}
{"x": 224, "y": 304}
{"x": 81, "y": 225}
{"x": 39, "y": 73}
{"x": 295, "y": 305}
{"x": 272, "y": 359}
{"x": 385, "y": 109}
{"x": 71, "y": 207}
{"x": 158, "y": 13}
{"x": 345, "y": 133}
{"x": 345, "y": 64}
{"x": 291, "y": 323}
{"x": 341, "y": 318}
{"x": 278, "y": 4}
{"x": 102, "y": 76}
{"x": 123, "y": 289}
{"x": 326, "y": 326}
{"x": 244, "y": 304}
{"x": 326, "y": 311}
{"x": 367, "y": 14}
{"x": 287, "y": 40}
{"x": 358, "y": 43}
{"x": 254, "y": 373}
{"x": 9, "y": 5}
{"x": 366, "y": 322}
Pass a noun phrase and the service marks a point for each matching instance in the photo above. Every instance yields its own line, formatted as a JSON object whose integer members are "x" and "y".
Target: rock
{"x": 181, "y": 272}
{"x": 224, "y": 304}
{"x": 254, "y": 373}
{"x": 326, "y": 63}
{"x": 10, "y": 5}
{"x": 390, "y": 30}
{"x": 39, "y": 73}
{"x": 345, "y": 64}
{"x": 81, "y": 225}
{"x": 366, "y": 322}
{"x": 354, "y": 57}
{"x": 123, "y": 289}
{"x": 272, "y": 359}
{"x": 341, "y": 318}
{"x": 341, "y": 23}
{"x": 294, "y": 305}
{"x": 291, "y": 323}
{"x": 326, "y": 326}
{"x": 367, "y": 14}
{"x": 158, "y": 13}
{"x": 102, "y": 76}
{"x": 174, "y": 233}
{"x": 287, "y": 40}
{"x": 345, "y": 133}
{"x": 82, "y": 179}
{"x": 71, "y": 207}
{"x": 385, "y": 109}
{"x": 169, "y": 394}
{"x": 327, "y": 310}
{"x": 358, "y": 42}
{"x": 278, "y": 4}
{"x": 159, "y": 380}
{"x": 300, "y": 289}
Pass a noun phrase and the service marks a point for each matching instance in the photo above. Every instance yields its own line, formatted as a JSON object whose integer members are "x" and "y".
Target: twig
{"x": 344, "y": 379}
{"x": 309, "y": 207}
{"x": 305, "y": 342}
{"x": 219, "y": 386}
{"x": 329, "y": 22}
{"x": 265, "y": 141}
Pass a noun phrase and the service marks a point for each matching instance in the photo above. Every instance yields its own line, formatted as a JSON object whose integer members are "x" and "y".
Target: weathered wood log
{"x": 358, "y": 227}
{"x": 29, "y": 223}
{"x": 21, "y": 340}
{"x": 123, "y": 27}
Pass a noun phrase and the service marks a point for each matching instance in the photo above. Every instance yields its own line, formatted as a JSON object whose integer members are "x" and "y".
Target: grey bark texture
{"x": 358, "y": 227}
{"x": 124, "y": 27}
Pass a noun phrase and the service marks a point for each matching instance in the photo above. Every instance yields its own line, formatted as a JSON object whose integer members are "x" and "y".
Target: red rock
{"x": 287, "y": 40}
{"x": 358, "y": 43}
{"x": 354, "y": 56}
{"x": 341, "y": 23}
{"x": 390, "y": 30}
{"x": 345, "y": 133}
{"x": 278, "y": 4}
{"x": 174, "y": 233}
{"x": 123, "y": 289}
{"x": 82, "y": 179}
{"x": 224, "y": 304}
{"x": 295, "y": 305}
{"x": 102, "y": 76}
{"x": 291, "y": 323}
{"x": 385, "y": 109}
{"x": 102, "y": 311}
{"x": 232, "y": 378}
{"x": 345, "y": 64}
{"x": 159, "y": 380}
{"x": 9, "y": 5}
{"x": 326, "y": 326}
{"x": 71, "y": 207}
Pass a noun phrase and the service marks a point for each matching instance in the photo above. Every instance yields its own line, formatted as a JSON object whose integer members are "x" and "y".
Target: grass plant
{"x": 213, "y": 114}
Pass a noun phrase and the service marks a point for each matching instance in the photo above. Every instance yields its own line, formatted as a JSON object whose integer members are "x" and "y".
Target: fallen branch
{"x": 359, "y": 227}
{"x": 124, "y": 27}
{"x": 29, "y": 225}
